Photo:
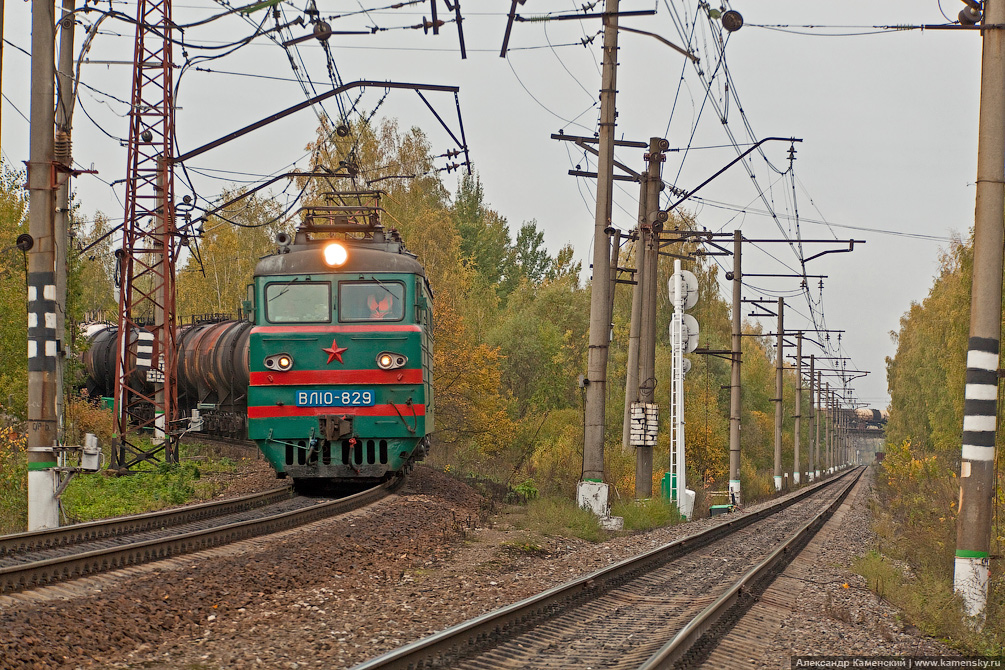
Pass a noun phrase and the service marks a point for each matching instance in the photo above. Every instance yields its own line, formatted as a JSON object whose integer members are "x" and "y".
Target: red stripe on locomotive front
{"x": 277, "y": 411}
{"x": 369, "y": 328}
{"x": 294, "y": 377}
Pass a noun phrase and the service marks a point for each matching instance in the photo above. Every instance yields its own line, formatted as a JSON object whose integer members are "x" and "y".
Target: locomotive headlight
{"x": 335, "y": 255}
{"x": 280, "y": 362}
{"x": 388, "y": 360}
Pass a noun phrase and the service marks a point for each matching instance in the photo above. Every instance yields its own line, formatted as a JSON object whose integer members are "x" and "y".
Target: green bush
{"x": 912, "y": 565}
{"x": 647, "y": 514}
{"x": 927, "y": 601}
{"x": 13, "y": 482}
{"x": 527, "y": 489}
{"x": 95, "y": 497}
{"x": 561, "y": 517}
{"x": 754, "y": 485}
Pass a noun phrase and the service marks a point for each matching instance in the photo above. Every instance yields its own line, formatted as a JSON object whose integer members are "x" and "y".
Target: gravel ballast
{"x": 343, "y": 590}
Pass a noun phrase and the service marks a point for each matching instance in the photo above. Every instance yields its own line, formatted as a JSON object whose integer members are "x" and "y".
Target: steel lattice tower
{"x": 146, "y": 366}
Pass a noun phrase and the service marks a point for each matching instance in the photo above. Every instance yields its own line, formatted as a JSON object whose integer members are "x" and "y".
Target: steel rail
{"x": 441, "y": 648}
{"x": 47, "y": 571}
{"x": 51, "y": 538}
{"x": 703, "y": 628}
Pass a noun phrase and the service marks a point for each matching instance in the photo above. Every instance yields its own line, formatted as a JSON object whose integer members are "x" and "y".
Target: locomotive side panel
{"x": 424, "y": 310}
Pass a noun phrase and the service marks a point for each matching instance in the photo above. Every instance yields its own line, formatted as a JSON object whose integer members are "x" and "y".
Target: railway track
{"x": 663, "y": 609}
{"x": 29, "y": 560}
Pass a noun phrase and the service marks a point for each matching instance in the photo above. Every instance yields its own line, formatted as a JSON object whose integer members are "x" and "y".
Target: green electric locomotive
{"x": 341, "y": 353}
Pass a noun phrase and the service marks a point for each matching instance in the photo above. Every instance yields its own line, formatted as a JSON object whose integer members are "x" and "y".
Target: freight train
{"x": 864, "y": 418}
{"x": 331, "y": 373}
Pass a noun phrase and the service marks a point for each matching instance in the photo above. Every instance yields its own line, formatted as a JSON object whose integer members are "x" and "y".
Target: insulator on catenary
{"x": 63, "y": 148}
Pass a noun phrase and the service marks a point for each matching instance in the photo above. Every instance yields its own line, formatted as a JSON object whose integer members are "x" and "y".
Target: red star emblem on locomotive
{"x": 334, "y": 352}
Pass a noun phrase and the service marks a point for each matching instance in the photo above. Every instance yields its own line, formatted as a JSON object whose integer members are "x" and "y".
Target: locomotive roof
{"x": 365, "y": 255}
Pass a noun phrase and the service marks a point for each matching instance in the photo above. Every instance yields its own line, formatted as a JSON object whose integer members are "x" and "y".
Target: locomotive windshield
{"x": 371, "y": 301}
{"x": 298, "y": 302}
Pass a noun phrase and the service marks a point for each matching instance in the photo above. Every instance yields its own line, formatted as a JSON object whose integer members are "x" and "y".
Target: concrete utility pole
{"x": 647, "y": 335}
{"x": 642, "y": 235}
{"x": 779, "y": 388}
{"x": 162, "y": 294}
{"x": 817, "y": 420}
{"x": 43, "y": 507}
{"x": 825, "y": 427}
{"x": 613, "y": 273}
{"x": 64, "y": 155}
{"x": 843, "y": 433}
{"x": 734, "y": 376}
{"x": 592, "y": 490}
{"x": 839, "y": 414}
{"x": 811, "y": 446}
{"x": 836, "y": 438}
{"x": 653, "y": 184}
{"x": 829, "y": 436}
{"x": 830, "y": 429}
{"x": 797, "y": 429}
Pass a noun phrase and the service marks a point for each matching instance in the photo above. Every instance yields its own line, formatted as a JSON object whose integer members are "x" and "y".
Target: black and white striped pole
{"x": 977, "y": 468}
{"x": 43, "y": 506}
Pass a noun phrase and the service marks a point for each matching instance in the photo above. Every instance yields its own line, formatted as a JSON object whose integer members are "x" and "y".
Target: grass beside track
{"x": 911, "y": 563}
{"x": 153, "y": 487}
{"x": 559, "y": 517}
{"x": 98, "y": 496}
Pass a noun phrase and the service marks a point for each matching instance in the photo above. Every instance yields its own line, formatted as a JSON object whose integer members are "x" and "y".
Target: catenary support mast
{"x": 817, "y": 420}
{"x": 977, "y": 469}
{"x": 797, "y": 428}
{"x": 43, "y": 508}
{"x": 642, "y": 236}
{"x": 652, "y": 224}
{"x": 145, "y": 366}
{"x": 593, "y": 448}
{"x": 734, "y": 375}
{"x": 779, "y": 388}
{"x": 63, "y": 155}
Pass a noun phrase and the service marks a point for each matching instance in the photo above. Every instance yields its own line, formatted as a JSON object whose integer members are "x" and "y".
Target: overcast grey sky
{"x": 888, "y": 121}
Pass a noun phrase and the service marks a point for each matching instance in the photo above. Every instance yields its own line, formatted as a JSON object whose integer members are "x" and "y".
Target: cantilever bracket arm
{"x": 513, "y": 16}
{"x": 585, "y": 147}
{"x": 851, "y": 247}
{"x": 683, "y": 52}
{"x": 304, "y": 105}
{"x": 289, "y": 175}
{"x": 729, "y": 165}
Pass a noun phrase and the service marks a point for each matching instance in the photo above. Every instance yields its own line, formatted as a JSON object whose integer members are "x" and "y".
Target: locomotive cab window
{"x": 371, "y": 301}
{"x": 298, "y": 302}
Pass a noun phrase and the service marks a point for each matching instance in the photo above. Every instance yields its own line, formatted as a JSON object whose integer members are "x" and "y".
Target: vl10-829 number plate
{"x": 335, "y": 398}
